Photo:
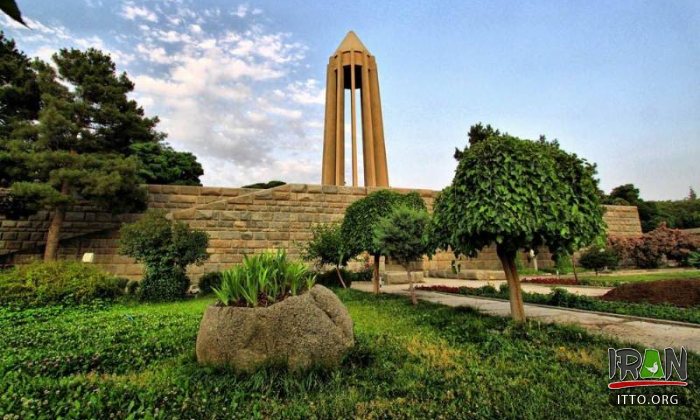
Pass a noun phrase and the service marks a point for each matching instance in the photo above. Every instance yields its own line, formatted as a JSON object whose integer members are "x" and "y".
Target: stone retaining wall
{"x": 238, "y": 221}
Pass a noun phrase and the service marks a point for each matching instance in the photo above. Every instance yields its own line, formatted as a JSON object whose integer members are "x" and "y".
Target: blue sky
{"x": 240, "y": 84}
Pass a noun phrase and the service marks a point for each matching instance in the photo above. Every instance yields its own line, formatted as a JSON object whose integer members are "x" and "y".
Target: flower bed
{"x": 550, "y": 280}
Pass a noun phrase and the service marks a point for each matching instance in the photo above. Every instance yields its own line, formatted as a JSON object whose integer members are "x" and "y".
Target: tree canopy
{"x": 477, "y": 133}
{"x": 161, "y": 164}
{"x": 362, "y": 216}
{"x": 518, "y": 194}
{"x": 678, "y": 214}
{"x": 402, "y": 235}
{"x": 70, "y": 132}
{"x": 265, "y": 185}
{"x": 327, "y": 247}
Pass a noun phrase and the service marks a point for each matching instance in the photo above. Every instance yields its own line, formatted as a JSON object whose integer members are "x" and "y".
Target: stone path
{"x": 626, "y": 329}
{"x": 527, "y": 287}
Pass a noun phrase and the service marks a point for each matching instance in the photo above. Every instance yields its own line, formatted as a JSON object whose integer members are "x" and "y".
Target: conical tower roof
{"x": 351, "y": 43}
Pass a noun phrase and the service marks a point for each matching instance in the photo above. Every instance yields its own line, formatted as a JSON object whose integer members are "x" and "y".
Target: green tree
{"x": 361, "y": 217}
{"x": 166, "y": 248}
{"x": 265, "y": 185}
{"x": 79, "y": 147}
{"x": 597, "y": 258}
{"x": 403, "y": 236}
{"x": 518, "y": 194}
{"x": 327, "y": 248}
{"x": 626, "y": 194}
{"x": 692, "y": 195}
{"x": 477, "y": 133}
{"x": 161, "y": 164}
{"x": 19, "y": 96}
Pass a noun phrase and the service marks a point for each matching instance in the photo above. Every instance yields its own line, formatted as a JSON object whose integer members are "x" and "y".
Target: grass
{"x": 561, "y": 298}
{"x": 613, "y": 280}
{"x": 424, "y": 362}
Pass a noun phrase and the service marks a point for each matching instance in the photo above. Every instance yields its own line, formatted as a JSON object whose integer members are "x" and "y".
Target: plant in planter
{"x": 270, "y": 313}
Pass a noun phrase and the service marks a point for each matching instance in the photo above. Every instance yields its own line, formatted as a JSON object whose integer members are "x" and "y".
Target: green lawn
{"x": 612, "y": 280}
{"x": 424, "y": 362}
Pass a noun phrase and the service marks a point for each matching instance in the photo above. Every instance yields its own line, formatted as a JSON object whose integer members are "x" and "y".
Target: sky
{"x": 241, "y": 84}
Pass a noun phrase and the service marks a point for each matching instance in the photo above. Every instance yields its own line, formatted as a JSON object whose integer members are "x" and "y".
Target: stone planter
{"x": 312, "y": 329}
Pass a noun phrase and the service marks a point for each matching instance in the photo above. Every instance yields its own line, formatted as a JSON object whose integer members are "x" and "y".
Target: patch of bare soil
{"x": 683, "y": 293}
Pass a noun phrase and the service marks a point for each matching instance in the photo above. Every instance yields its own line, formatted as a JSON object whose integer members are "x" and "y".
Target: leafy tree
{"x": 626, "y": 194}
{"x": 265, "y": 185}
{"x": 70, "y": 133}
{"x": 166, "y": 248}
{"x": 596, "y": 258}
{"x": 327, "y": 248}
{"x": 692, "y": 195}
{"x": 161, "y": 164}
{"x": 518, "y": 194}
{"x": 361, "y": 216}
{"x": 76, "y": 145}
{"x": 477, "y": 133}
{"x": 403, "y": 236}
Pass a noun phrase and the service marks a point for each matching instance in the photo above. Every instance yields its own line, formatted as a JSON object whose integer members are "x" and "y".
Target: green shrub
{"x": 122, "y": 282}
{"x": 329, "y": 278}
{"x": 595, "y": 258}
{"x": 263, "y": 279}
{"x": 362, "y": 275}
{"x": 208, "y": 282}
{"x": 132, "y": 287}
{"x": 166, "y": 248}
{"x": 564, "y": 264}
{"x": 64, "y": 282}
{"x": 694, "y": 259}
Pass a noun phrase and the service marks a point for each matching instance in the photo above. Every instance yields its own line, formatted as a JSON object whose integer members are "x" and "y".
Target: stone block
{"x": 188, "y": 199}
{"x": 74, "y": 216}
{"x": 298, "y": 187}
{"x": 400, "y": 277}
{"x": 204, "y": 214}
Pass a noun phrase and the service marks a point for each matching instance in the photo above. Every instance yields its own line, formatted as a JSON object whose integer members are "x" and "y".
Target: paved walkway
{"x": 648, "y": 333}
{"x": 527, "y": 287}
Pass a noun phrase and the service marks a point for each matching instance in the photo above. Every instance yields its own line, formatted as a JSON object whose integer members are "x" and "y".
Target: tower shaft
{"x": 350, "y": 68}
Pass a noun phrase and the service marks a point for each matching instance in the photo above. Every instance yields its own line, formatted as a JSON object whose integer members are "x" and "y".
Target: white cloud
{"x": 236, "y": 97}
{"x": 241, "y": 11}
{"x": 307, "y": 92}
{"x": 132, "y": 12}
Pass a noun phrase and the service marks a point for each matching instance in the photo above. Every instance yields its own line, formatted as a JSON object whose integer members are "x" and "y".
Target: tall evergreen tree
{"x": 19, "y": 92}
{"x": 79, "y": 147}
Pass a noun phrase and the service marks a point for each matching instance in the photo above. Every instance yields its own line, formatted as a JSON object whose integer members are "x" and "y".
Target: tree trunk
{"x": 375, "y": 275}
{"x": 414, "y": 299}
{"x": 340, "y": 277}
{"x": 54, "y": 234}
{"x": 573, "y": 266}
{"x": 507, "y": 258}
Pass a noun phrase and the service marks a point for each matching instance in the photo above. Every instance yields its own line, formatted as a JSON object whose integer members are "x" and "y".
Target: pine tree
{"x": 80, "y": 146}
{"x": 19, "y": 95}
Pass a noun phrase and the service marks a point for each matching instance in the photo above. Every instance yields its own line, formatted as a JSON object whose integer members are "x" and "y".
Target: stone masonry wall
{"x": 238, "y": 221}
